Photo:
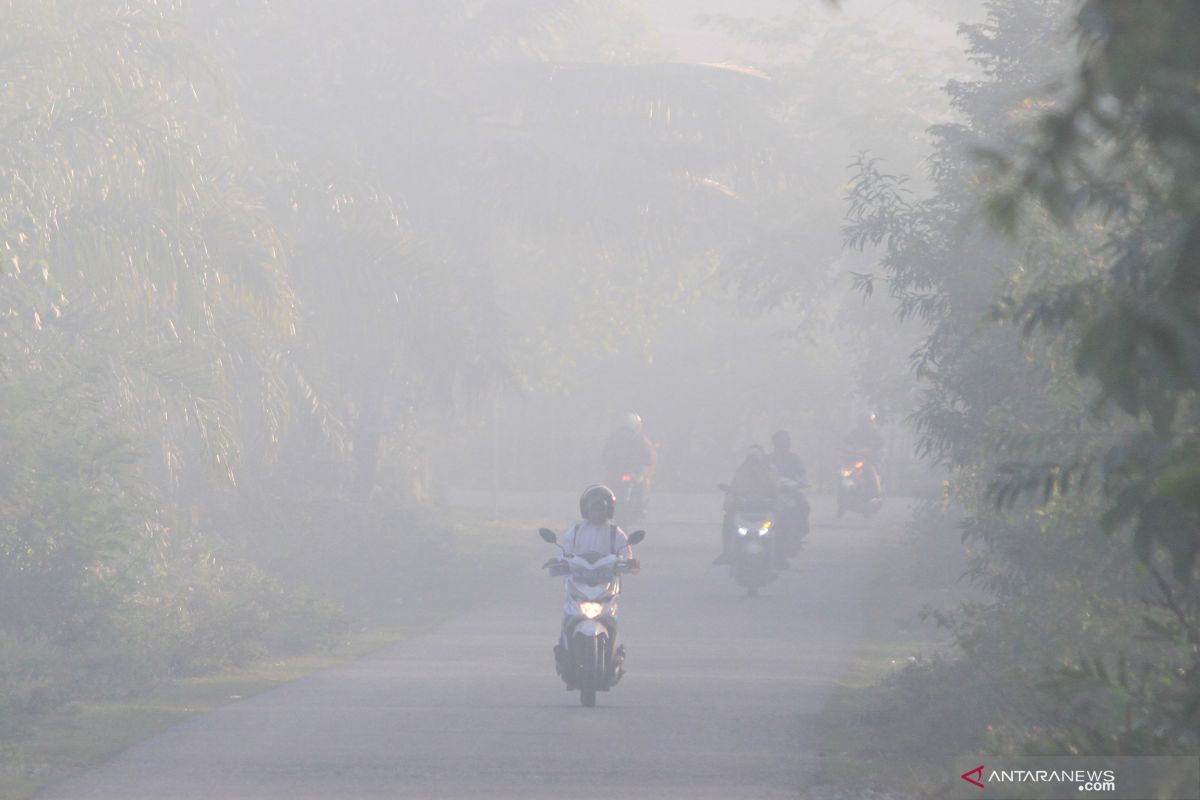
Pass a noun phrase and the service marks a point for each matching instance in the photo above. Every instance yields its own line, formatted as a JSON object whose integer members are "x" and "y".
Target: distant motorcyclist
{"x": 754, "y": 483}
{"x": 864, "y": 442}
{"x": 628, "y": 450}
{"x": 793, "y": 478}
{"x": 594, "y": 534}
{"x": 629, "y": 458}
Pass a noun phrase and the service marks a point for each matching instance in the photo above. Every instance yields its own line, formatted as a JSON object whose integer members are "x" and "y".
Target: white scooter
{"x": 587, "y": 657}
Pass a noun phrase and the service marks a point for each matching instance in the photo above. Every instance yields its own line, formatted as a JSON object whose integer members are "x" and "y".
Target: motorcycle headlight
{"x": 766, "y": 526}
{"x": 743, "y": 531}
{"x": 846, "y": 473}
{"x": 591, "y": 610}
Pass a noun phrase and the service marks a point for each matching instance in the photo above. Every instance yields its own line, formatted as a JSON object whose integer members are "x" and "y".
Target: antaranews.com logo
{"x": 1074, "y": 777}
{"x": 1086, "y": 780}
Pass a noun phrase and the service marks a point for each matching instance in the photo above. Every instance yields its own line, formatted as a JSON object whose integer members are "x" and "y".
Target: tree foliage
{"x": 1123, "y": 154}
{"x": 1059, "y": 364}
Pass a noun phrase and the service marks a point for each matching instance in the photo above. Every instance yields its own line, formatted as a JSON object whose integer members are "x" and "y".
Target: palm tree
{"x": 132, "y": 247}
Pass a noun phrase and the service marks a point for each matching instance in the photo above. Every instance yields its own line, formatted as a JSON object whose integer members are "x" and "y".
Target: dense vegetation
{"x": 1055, "y": 267}
{"x": 214, "y": 323}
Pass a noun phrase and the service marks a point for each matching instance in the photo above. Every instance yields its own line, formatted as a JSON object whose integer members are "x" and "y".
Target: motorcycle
{"x": 857, "y": 490}
{"x": 754, "y": 549}
{"x": 630, "y": 489}
{"x": 587, "y": 657}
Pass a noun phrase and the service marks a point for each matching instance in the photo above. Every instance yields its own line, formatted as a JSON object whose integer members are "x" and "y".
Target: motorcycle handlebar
{"x": 558, "y": 566}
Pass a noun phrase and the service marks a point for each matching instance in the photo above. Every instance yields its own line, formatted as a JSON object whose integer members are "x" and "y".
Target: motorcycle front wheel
{"x": 588, "y": 654}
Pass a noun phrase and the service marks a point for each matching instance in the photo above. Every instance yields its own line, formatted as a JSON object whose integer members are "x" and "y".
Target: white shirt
{"x": 586, "y": 537}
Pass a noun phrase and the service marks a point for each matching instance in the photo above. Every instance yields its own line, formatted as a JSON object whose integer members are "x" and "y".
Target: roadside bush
{"x": 372, "y": 555}
{"x": 233, "y": 614}
{"x": 31, "y": 679}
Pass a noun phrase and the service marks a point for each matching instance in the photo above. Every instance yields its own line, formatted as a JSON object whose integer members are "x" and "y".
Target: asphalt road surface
{"x": 718, "y": 701}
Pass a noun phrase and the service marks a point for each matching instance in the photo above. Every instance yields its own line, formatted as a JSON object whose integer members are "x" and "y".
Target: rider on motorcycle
{"x": 865, "y": 442}
{"x": 594, "y": 534}
{"x": 628, "y": 451}
{"x": 786, "y": 463}
{"x": 754, "y": 483}
{"x": 793, "y": 478}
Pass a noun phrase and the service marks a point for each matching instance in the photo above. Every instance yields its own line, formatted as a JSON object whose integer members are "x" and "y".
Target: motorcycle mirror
{"x": 548, "y": 535}
{"x": 636, "y": 537}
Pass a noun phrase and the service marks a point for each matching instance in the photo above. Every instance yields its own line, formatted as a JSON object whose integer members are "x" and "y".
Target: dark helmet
{"x": 781, "y": 440}
{"x": 598, "y": 499}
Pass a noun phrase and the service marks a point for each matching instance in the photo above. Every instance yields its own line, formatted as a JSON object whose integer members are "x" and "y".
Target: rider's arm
{"x": 624, "y": 551}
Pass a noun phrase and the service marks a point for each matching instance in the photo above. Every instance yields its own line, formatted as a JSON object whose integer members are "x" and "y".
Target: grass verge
{"x": 875, "y": 733}
{"x": 85, "y": 734}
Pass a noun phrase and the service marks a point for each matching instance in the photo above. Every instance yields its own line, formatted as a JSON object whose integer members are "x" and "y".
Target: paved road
{"x": 718, "y": 702}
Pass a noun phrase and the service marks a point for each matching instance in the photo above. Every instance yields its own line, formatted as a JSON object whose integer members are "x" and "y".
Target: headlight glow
{"x": 766, "y": 526}
{"x": 743, "y": 531}
{"x": 591, "y": 610}
{"x": 846, "y": 473}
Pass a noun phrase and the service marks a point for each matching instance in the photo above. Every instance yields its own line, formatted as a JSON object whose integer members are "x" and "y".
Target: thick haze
{"x": 311, "y": 313}
{"x": 634, "y": 211}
